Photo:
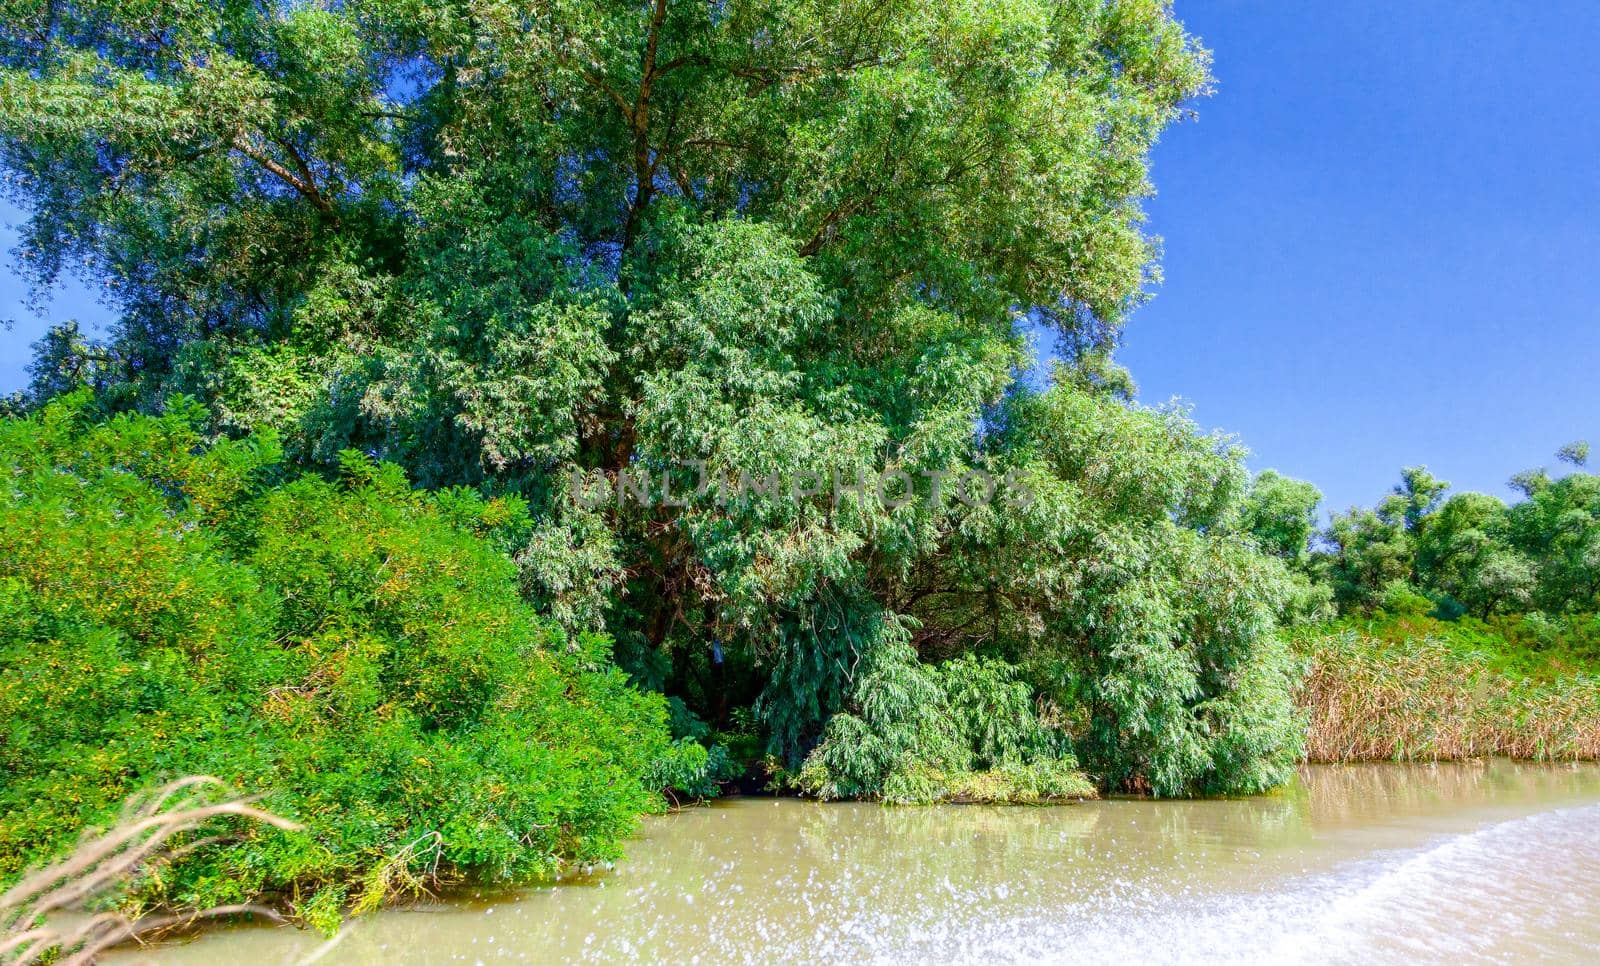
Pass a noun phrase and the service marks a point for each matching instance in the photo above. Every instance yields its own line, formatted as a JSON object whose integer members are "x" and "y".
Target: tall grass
{"x": 55, "y": 913}
{"x": 1425, "y": 697}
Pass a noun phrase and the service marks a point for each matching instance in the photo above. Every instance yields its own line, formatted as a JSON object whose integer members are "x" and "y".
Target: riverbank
{"x": 1417, "y": 689}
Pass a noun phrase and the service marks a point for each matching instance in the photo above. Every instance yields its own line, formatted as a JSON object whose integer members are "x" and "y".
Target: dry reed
{"x": 153, "y": 828}
{"x": 1420, "y": 699}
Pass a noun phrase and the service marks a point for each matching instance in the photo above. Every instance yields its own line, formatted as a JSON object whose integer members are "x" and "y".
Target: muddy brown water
{"x": 1437, "y": 863}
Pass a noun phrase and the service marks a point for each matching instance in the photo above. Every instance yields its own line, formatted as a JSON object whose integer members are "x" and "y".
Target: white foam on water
{"x": 1525, "y": 887}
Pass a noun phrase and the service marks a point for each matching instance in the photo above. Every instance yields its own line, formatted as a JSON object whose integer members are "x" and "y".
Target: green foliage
{"x": 494, "y": 244}
{"x": 1129, "y": 590}
{"x": 1122, "y": 599}
{"x": 1530, "y": 646}
{"x": 219, "y": 165}
{"x": 1567, "y": 638}
{"x": 692, "y": 769}
{"x": 1472, "y": 553}
{"x": 965, "y": 730}
{"x": 1281, "y": 513}
{"x": 354, "y": 650}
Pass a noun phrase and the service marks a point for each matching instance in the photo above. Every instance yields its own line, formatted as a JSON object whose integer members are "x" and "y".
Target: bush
{"x": 355, "y": 650}
{"x": 964, "y": 731}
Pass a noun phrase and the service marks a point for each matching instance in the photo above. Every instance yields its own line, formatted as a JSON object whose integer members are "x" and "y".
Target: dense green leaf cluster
{"x": 498, "y": 243}
{"x": 355, "y": 651}
{"x": 965, "y": 730}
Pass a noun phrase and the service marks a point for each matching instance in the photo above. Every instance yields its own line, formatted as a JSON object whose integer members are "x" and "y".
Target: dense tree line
{"x": 1463, "y": 554}
{"x": 1439, "y": 625}
{"x": 1472, "y": 553}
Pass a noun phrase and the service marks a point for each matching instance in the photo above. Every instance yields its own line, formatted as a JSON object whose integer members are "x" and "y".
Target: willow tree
{"x": 499, "y": 241}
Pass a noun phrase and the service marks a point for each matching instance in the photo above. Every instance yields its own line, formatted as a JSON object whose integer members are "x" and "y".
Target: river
{"x": 1419, "y": 862}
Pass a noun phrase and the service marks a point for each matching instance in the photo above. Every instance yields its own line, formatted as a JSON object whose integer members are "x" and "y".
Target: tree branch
{"x": 305, "y": 185}
{"x": 644, "y": 169}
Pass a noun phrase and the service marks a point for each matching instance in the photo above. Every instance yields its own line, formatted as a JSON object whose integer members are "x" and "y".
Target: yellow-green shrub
{"x": 355, "y": 650}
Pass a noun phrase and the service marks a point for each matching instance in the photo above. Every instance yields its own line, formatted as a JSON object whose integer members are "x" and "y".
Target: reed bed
{"x": 1425, "y": 699}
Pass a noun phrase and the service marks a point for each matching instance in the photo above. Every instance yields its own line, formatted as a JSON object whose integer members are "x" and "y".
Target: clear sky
{"x": 20, "y": 324}
{"x": 1382, "y": 241}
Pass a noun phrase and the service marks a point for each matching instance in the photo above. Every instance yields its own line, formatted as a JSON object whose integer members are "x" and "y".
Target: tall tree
{"x": 498, "y": 242}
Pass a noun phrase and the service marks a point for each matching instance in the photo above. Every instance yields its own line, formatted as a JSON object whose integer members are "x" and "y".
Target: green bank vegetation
{"x": 37, "y": 924}
{"x": 353, "y": 649}
{"x": 1470, "y": 626}
{"x": 1421, "y": 689}
{"x": 390, "y": 275}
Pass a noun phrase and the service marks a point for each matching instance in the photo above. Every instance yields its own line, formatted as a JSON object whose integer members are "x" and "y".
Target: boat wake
{"x": 1528, "y": 887}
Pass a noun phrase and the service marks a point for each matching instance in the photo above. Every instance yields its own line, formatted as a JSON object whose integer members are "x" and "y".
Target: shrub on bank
{"x": 356, "y": 650}
{"x": 963, "y": 731}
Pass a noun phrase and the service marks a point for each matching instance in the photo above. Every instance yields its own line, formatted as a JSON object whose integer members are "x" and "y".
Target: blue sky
{"x": 1382, "y": 241}
{"x": 23, "y": 325}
